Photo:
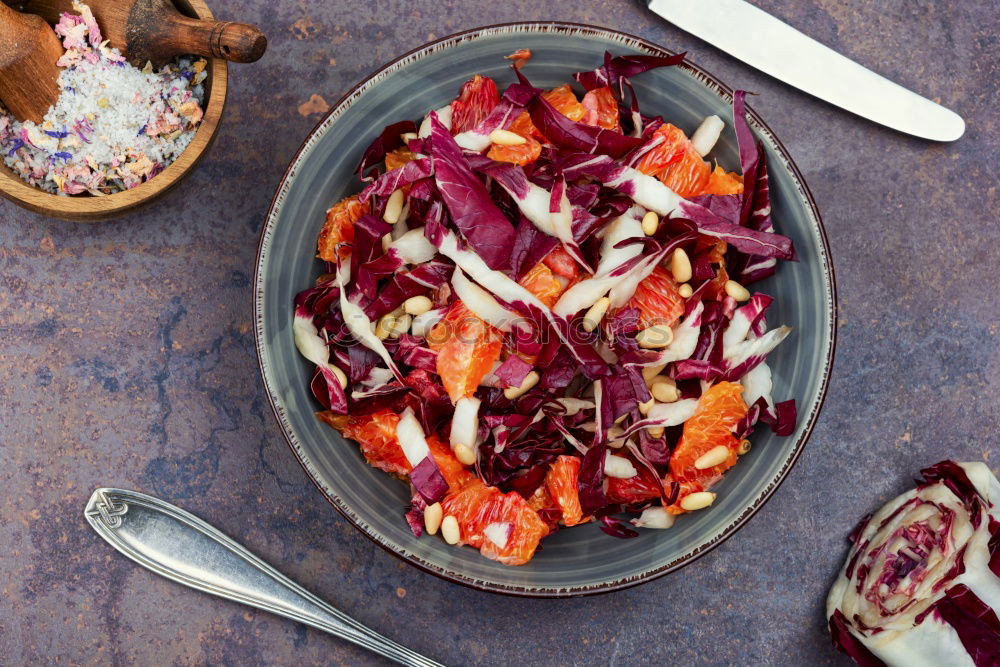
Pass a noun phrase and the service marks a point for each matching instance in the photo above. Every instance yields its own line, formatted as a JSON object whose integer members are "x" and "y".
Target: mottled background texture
{"x": 127, "y": 359}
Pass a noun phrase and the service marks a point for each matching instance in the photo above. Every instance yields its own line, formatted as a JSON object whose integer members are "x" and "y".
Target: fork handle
{"x": 179, "y": 546}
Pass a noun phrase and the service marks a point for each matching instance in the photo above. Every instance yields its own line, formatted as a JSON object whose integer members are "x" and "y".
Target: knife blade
{"x": 776, "y": 48}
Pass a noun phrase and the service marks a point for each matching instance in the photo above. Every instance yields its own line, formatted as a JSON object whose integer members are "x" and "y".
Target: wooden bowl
{"x": 89, "y": 208}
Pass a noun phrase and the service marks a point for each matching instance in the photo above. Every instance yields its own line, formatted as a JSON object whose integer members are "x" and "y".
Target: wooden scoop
{"x": 153, "y": 30}
{"x": 29, "y": 76}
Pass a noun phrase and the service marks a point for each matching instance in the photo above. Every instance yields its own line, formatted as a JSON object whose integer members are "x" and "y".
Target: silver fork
{"x": 180, "y": 546}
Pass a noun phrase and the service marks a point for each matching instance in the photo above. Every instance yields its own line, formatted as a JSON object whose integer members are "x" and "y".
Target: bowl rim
{"x": 706, "y": 78}
{"x": 96, "y": 209}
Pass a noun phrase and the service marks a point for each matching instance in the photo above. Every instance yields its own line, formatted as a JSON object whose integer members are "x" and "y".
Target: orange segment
{"x": 722, "y": 182}
{"x": 563, "y": 99}
{"x": 601, "y": 109}
{"x": 339, "y": 228}
{"x": 657, "y": 299}
{"x": 720, "y": 409}
{"x": 376, "y": 433}
{"x": 636, "y": 489}
{"x": 561, "y": 483}
{"x": 522, "y": 154}
{"x": 541, "y": 282}
{"x": 397, "y": 158}
{"x": 451, "y": 468}
{"x": 475, "y": 101}
{"x": 477, "y": 506}
{"x": 683, "y": 170}
{"x": 467, "y": 348}
{"x": 562, "y": 264}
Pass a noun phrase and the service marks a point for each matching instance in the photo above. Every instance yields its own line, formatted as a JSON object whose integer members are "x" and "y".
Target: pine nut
{"x": 712, "y": 457}
{"x": 664, "y": 390}
{"x": 400, "y": 326}
{"x": 432, "y": 518}
{"x": 449, "y": 530}
{"x": 393, "y": 207}
{"x": 650, "y": 373}
{"x": 621, "y": 419}
{"x": 407, "y": 137}
{"x": 685, "y": 291}
{"x": 650, "y": 223}
{"x": 384, "y": 326}
{"x": 656, "y": 431}
{"x": 645, "y": 407}
{"x": 386, "y": 242}
{"x": 655, "y": 337}
{"x": 698, "y": 500}
{"x": 341, "y": 378}
{"x": 530, "y": 380}
{"x": 737, "y": 291}
{"x": 614, "y": 436}
{"x": 744, "y": 447}
{"x": 465, "y": 455}
{"x": 680, "y": 266}
{"x": 417, "y": 305}
{"x": 506, "y": 138}
{"x": 593, "y": 317}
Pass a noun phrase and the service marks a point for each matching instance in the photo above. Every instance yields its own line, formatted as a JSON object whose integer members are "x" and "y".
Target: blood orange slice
{"x": 467, "y": 348}
{"x": 561, "y": 483}
{"x": 339, "y": 228}
{"x": 719, "y": 410}
{"x": 657, "y": 299}
{"x": 376, "y": 434}
{"x": 501, "y": 525}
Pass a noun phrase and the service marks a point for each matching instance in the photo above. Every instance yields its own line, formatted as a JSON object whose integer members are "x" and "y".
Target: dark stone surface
{"x": 126, "y": 358}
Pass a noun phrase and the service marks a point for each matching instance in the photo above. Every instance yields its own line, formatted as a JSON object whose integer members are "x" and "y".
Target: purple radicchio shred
{"x": 498, "y": 468}
{"x": 615, "y": 69}
{"x": 415, "y": 515}
{"x": 389, "y": 139}
{"x": 472, "y": 210}
{"x": 993, "y": 546}
{"x": 412, "y": 352}
{"x": 363, "y": 361}
{"x": 590, "y": 481}
{"x": 559, "y": 373}
{"x": 849, "y": 644}
{"x": 654, "y": 450}
{"x": 571, "y": 135}
{"x": 975, "y": 623}
{"x": 953, "y": 476}
{"x": 616, "y": 527}
{"x": 530, "y": 247}
{"x": 412, "y": 172}
{"x": 512, "y": 371}
{"x": 404, "y": 285}
{"x": 428, "y": 481}
{"x": 326, "y": 388}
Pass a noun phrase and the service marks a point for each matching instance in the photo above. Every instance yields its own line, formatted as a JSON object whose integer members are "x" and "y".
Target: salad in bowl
{"x": 538, "y": 310}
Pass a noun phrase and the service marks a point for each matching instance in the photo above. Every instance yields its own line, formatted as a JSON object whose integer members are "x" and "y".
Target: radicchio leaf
{"x": 472, "y": 210}
{"x": 571, "y": 135}
{"x": 389, "y": 139}
{"x": 617, "y": 528}
{"x": 915, "y": 587}
{"x": 614, "y": 69}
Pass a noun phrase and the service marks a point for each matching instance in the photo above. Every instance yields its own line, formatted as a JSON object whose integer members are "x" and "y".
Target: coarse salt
{"x": 114, "y": 126}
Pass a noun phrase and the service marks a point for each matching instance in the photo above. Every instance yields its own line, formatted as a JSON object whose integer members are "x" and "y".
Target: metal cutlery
{"x": 776, "y": 48}
{"x": 180, "y": 546}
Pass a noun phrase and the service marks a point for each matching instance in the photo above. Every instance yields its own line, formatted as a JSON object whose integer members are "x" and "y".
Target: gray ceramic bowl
{"x": 581, "y": 560}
